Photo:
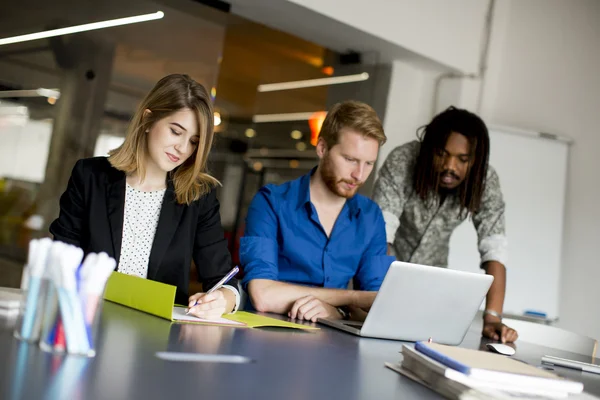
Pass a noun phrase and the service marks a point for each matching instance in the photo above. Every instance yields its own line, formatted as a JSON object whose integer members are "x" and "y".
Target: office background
{"x": 530, "y": 64}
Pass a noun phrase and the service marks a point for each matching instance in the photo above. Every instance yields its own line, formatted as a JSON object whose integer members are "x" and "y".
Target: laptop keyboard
{"x": 356, "y": 324}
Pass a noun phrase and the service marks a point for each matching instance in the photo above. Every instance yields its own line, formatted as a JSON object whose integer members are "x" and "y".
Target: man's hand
{"x": 496, "y": 330}
{"x": 208, "y": 306}
{"x": 310, "y": 308}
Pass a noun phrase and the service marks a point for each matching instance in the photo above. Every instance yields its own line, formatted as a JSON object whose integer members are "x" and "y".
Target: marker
{"x": 98, "y": 271}
{"x": 219, "y": 284}
{"x": 30, "y": 329}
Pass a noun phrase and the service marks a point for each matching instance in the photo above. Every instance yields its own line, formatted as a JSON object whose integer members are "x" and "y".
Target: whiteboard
{"x": 533, "y": 171}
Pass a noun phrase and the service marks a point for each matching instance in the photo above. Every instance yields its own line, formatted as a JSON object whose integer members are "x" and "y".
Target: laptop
{"x": 418, "y": 302}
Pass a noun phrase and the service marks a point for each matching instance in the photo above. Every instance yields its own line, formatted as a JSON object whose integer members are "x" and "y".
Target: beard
{"x": 453, "y": 184}
{"x": 334, "y": 183}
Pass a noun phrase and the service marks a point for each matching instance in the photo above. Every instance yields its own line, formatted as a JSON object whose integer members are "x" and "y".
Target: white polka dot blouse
{"x": 142, "y": 210}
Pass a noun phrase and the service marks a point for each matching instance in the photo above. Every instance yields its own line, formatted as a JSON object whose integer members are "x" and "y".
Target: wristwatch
{"x": 492, "y": 313}
{"x": 344, "y": 312}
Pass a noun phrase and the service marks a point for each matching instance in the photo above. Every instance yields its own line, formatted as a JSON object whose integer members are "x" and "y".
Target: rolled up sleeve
{"x": 259, "y": 249}
{"x": 393, "y": 178}
{"x": 375, "y": 262}
{"x": 489, "y": 222}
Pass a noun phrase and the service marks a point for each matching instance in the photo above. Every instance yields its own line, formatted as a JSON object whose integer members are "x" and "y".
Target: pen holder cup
{"x": 29, "y": 321}
{"x": 70, "y": 323}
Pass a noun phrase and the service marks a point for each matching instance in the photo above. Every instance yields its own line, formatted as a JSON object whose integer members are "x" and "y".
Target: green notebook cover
{"x": 158, "y": 298}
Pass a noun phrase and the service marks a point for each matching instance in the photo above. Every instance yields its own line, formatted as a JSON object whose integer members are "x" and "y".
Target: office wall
{"x": 409, "y": 103}
{"x": 544, "y": 76}
{"x": 448, "y": 32}
{"x": 432, "y": 34}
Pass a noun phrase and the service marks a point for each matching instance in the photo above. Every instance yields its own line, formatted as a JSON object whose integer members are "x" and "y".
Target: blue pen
{"x": 219, "y": 284}
{"x": 533, "y": 313}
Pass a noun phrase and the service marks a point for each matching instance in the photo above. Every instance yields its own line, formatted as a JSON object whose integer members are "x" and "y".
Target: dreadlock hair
{"x": 433, "y": 138}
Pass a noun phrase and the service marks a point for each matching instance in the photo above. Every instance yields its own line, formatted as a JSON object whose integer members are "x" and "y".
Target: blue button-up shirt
{"x": 284, "y": 240}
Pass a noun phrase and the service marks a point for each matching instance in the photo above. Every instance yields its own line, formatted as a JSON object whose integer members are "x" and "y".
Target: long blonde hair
{"x": 171, "y": 94}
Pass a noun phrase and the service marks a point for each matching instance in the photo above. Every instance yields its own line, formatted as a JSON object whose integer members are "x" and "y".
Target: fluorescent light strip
{"x": 272, "y": 87}
{"x": 41, "y": 92}
{"x": 305, "y": 116}
{"x": 83, "y": 28}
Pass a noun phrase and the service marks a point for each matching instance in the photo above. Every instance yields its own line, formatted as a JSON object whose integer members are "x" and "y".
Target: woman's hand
{"x": 208, "y": 306}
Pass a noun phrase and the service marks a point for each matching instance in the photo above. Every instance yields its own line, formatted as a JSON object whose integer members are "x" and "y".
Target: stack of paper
{"x": 465, "y": 374}
{"x": 10, "y": 301}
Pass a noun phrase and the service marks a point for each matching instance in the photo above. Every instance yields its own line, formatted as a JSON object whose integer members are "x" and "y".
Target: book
{"x": 158, "y": 298}
{"x": 446, "y": 387}
{"x": 459, "y": 391}
{"x": 436, "y": 373}
{"x": 496, "y": 369}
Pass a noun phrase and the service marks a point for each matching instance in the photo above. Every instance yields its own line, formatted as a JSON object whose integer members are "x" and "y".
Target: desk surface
{"x": 289, "y": 364}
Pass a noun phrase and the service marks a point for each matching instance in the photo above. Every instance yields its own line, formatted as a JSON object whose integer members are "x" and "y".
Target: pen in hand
{"x": 219, "y": 284}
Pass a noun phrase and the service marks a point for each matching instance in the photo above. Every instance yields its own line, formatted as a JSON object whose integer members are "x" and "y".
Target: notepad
{"x": 158, "y": 298}
{"x": 179, "y": 315}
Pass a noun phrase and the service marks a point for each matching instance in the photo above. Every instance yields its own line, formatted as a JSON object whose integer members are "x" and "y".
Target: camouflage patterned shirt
{"x": 419, "y": 230}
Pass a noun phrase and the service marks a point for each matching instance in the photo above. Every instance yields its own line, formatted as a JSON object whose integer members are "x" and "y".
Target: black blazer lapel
{"x": 115, "y": 201}
{"x": 170, "y": 214}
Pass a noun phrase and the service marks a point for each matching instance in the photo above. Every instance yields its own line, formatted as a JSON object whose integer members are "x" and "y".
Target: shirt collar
{"x": 304, "y": 189}
{"x": 304, "y": 195}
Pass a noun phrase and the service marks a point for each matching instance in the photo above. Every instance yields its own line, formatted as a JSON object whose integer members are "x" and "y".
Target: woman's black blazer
{"x": 91, "y": 217}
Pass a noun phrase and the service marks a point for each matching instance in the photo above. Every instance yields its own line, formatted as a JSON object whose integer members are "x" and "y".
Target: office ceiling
{"x": 209, "y": 45}
{"x": 217, "y": 49}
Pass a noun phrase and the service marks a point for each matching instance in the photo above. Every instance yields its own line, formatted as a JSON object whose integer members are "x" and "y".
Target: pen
{"x": 196, "y": 357}
{"x": 219, "y": 284}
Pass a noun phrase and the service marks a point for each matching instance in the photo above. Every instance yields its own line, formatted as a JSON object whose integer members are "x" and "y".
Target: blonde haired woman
{"x": 151, "y": 204}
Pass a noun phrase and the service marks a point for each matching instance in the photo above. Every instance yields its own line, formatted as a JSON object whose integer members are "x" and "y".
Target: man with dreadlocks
{"x": 427, "y": 188}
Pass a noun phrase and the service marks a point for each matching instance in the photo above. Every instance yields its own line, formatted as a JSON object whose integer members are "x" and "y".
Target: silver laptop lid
{"x": 416, "y": 302}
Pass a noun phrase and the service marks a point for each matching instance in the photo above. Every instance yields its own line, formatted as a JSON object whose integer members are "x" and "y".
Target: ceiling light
{"x": 250, "y": 133}
{"x": 296, "y": 134}
{"x": 82, "y": 28}
{"x": 217, "y": 118}
{"x": 300, "y": 146}
{"x": 48, "y": 92}
{"x": 41, "y": 92}
{"x": 272, "y": 87}
{"x": 328, "y": 70}
{"x": 305, "y": 116}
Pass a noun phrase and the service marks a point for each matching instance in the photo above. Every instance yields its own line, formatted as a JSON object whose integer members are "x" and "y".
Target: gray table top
{"x": 287, "y": 364}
